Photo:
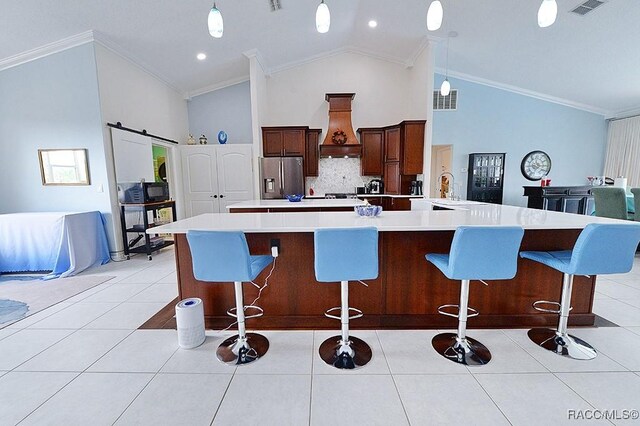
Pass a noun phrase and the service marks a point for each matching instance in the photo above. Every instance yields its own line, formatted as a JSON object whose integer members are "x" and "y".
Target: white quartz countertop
{"x": 304, "y": 203}
{"x": 422, "y": 220}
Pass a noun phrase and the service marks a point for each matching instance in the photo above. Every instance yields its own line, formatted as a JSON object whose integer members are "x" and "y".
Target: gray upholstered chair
{"x": 636, "y": 203}
{"x": 611, "y": 202}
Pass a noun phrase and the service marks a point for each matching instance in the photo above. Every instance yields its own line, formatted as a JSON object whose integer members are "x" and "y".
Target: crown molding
{"x": 626, "y": 113}
{"x": 255, "y": 53}
{"x": 524, "y": 92}
{"x": 46, "y": 50}
{"x": 217, "y": 86}
{"x": 424, "y": 43}
{"x": 118, "y": 50}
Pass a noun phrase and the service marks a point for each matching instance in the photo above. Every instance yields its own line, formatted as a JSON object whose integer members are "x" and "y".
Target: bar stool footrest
{"x": 470, "y": 311}
{"x": 338, "y": 308}
{"x": 232, "y": 312}
{"x": 537, "y": 306}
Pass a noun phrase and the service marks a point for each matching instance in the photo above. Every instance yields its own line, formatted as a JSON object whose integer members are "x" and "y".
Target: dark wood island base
{"x": 406, "y": 293}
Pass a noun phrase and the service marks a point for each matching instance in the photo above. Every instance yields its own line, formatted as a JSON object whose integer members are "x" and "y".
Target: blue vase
{"x": 222, "y": 137}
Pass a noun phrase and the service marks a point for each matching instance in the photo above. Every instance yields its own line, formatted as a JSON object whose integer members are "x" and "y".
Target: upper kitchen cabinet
{"x": 312, "y": 152}
{"x": 392, "y": 144}
{"x": 284, "y": 141}
{"x": 372, "y": 141}
{"x": 412, "y": 146}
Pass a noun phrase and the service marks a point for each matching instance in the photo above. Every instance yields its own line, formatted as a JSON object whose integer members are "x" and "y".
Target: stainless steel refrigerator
{"x": 280, "y": 176}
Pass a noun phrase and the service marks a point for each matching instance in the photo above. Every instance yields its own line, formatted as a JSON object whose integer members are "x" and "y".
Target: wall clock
{"x": 535, "y": 165}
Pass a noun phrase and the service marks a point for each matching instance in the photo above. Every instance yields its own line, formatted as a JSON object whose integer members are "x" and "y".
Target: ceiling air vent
{"x": 587, "y": 7}
{"x": 274, "y": 5}
{"x": 445, "y": 103}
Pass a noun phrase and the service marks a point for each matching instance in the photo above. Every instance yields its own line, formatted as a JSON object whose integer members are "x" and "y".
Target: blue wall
{"x": 495, "y": 120}
{"x": 51, "y": 103}
{"x": 227, "y": 109}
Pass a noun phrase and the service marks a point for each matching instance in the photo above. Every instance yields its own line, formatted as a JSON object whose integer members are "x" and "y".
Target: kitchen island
{"x": 409, "y": 289}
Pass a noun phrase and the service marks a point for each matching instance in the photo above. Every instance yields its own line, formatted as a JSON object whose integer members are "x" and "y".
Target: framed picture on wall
{"x": 64, "y": 167}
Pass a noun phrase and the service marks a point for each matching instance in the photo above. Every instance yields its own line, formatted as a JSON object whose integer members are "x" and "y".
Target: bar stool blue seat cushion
{"x": 601, "y": 248}
{"x": 346, "y": 254}
{"x": 481, "y": 253}
{"x": 223, "y": 256}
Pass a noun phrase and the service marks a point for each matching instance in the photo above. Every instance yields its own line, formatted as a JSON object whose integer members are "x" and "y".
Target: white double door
{"x": 215, "y": 176}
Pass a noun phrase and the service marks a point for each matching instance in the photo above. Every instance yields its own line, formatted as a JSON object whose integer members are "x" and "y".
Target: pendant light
{"x": 434, "y": 16}
{"x": 445, "y": 88}
{"x": 216, "y": 26}
{"x": 547, "y": 13}
{"x": 323, "y": 18}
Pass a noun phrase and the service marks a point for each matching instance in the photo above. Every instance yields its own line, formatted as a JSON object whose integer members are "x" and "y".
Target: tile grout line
{"x": 492, "y": 400}
{"x": 395, "y": 385}
{"x": 224, "y": 395}
{"x": 47, "y": 400}
{"x": 313, "y": 350}
{"x": 144, "y": 387}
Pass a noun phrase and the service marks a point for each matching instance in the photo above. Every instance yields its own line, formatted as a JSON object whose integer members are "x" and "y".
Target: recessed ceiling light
{"x": 373, "y": 23}
{"x": 201, "y": 56}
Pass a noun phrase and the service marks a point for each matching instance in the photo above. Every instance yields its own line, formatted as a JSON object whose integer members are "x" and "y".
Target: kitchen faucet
{"x": 451, "y": 184}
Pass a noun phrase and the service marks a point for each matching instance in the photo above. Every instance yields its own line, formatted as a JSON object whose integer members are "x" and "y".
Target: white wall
{"x": 138, "y": 100}
{"x": 296, "y": 96}
{"x": 227, "y": 109}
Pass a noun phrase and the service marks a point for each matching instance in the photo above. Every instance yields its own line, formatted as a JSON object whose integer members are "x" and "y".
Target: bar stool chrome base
{"x": 562, "y": 344}
{"x": 235, "y": 351}
{"x": 465, "y": 351}
{"x": 354, "y": 354}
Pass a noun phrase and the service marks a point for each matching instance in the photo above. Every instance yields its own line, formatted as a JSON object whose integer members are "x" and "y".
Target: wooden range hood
{"x": 340, "y": 140}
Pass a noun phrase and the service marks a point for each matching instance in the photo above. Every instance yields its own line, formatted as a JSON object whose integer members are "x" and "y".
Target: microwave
{"x": 142, "y": 192}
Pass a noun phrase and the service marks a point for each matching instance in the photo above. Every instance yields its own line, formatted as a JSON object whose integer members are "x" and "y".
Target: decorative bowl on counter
{"x": 368, "y": 210}
{"x": 294, "y": 198}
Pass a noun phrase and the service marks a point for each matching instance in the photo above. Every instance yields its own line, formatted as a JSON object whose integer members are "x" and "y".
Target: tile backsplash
{"x": 337, "y": 175}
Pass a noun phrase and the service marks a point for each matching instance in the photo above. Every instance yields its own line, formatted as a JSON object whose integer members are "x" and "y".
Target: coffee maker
{"x": 416, "y": 187}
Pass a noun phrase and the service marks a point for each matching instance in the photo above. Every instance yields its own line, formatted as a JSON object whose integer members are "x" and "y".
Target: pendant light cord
{"x": 446, "y": 74}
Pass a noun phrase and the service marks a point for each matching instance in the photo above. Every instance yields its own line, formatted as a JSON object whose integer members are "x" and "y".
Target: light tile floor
{"x": 83, "y": 361}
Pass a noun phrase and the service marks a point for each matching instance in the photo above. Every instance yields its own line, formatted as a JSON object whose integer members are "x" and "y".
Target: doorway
{"x": 441, "y": 162}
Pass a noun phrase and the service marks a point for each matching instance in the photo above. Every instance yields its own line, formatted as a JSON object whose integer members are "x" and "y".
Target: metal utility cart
{"x": 141, "y": 228}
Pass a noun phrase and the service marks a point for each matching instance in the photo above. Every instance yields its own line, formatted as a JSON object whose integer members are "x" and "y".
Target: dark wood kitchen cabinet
{"x": 392, "y": 178}
{"x": 372, "y": 141}
{"x": 392, "y": 144}
{"x": 284, "y": 141}
{"x": 404, "y": 151}
{"x": 312, "y": 152}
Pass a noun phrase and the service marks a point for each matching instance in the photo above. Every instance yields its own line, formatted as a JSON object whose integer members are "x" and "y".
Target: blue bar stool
{"x": 220, "y": 256}
{"x": 343, "y": 255}
{"x": 600, "y": 249}
{"x": 477, "y": 253}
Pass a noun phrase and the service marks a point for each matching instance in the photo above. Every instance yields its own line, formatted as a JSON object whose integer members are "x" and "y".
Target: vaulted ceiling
{"x": 590, "y": 60}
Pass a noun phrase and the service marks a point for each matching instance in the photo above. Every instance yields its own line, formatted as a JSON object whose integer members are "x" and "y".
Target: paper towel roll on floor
{"x": 190, "y": 323}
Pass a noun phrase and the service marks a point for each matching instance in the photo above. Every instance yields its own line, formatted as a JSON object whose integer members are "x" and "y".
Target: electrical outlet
{"x": 275, "y": 244}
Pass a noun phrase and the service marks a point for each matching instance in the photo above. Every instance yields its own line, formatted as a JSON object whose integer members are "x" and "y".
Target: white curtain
{"x": 623, "y": 150}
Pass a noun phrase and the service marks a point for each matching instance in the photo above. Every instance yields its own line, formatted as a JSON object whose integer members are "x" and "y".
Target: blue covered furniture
{"x": 63, "y": 243}
{"x": 600, "y": 249}
{"x": 223, "y": 256}
{"x": 358, "y": 261}
{"x": 477, "y": 253}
